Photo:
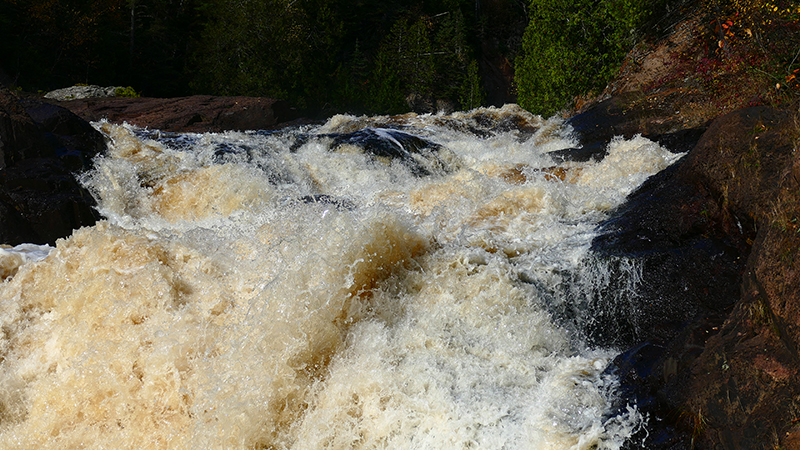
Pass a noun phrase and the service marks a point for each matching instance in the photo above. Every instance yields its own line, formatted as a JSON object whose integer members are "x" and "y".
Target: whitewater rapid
{"x": 368, "y": 283}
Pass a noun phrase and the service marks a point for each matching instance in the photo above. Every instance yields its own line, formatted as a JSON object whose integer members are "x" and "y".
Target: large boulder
{"x": 743, "y": 390}
{"x": 198, "y": 113}
{"x": 713, "y": 329}
{"x": 20, "y": 138}
{"x": 42, "y": 146}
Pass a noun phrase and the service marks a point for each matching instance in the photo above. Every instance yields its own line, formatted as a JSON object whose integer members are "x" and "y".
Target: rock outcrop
{"x": 198, "y": 113}
{"x": 714, "y": 328}
{"x": 625, "y": 115}
{"x": 743, "y": 390}
{"x": 42, "y": 146}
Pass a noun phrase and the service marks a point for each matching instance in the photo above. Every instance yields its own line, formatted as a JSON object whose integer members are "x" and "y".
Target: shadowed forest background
{"x": 368, "y": 56}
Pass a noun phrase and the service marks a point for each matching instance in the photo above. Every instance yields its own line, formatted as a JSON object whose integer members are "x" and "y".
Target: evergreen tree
{"x": 571, "y": 47}
{"x": 422, "y": 61}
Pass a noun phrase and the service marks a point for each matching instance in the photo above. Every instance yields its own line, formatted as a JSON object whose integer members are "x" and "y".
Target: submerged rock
{"x": 421, "y": 156}
{"x": 416, "y": 153}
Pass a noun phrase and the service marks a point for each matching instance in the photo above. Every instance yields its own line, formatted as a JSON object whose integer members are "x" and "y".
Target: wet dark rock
{"x": 322, "y": 199}
{"x": 635, "y": 369}
{"x": 605, "y": 120}
{"x": 388, "y": 143}
{"x": 689, "y": 266}
{"x": 592, "y": 151}
{"x": 420, "y": 155}
{"x": 198, "y": 113}
{"x": 627, "y": 115}
{"x": 385, "y": 142}
{"x": 680, "y": 141}
{"x": 42, "y": 148}
{"x": 714, "y": 327}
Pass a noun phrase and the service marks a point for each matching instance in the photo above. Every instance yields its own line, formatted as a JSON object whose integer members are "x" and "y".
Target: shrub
{"x": 125, "y": 92}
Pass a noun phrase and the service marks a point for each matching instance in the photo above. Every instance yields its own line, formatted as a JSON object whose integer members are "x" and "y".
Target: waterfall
{"x": 417, "y": 281}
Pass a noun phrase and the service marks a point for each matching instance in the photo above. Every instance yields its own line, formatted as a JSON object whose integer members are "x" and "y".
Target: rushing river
{"x": 370, "y": 283}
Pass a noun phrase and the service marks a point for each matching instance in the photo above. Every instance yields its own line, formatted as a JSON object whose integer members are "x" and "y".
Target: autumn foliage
{"x": 762, "y": 32}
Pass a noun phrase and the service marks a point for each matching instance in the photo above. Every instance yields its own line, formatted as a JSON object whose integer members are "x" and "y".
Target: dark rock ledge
{"x": 713, "y": 331}
{"x": 198, "y": 113}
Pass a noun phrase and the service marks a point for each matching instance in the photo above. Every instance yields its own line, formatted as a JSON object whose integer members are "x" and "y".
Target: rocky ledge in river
{"x": 198, "y": 113}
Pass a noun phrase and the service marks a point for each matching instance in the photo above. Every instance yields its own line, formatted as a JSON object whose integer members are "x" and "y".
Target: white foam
{"x": 215, "y": 308}
{"x": 12, "y": 258}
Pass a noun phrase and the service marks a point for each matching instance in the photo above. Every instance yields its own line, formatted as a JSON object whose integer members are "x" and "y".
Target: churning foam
{"x": 11, "y": 258}
{"x": 217, "y": 307}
